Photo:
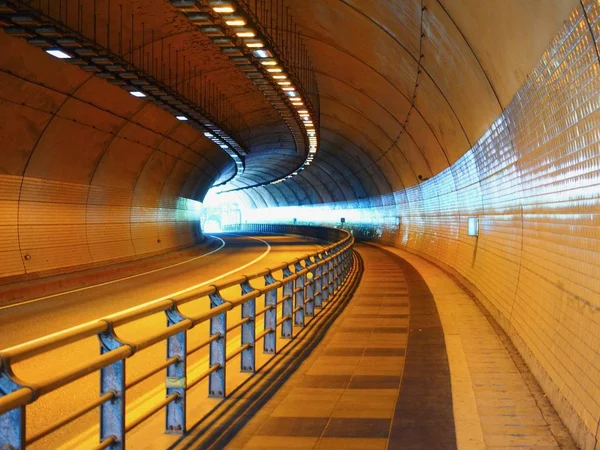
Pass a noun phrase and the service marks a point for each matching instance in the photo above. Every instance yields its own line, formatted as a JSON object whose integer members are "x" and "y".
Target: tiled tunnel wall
{"x": 533, "y": 180}
{"x": 90, "y": 175}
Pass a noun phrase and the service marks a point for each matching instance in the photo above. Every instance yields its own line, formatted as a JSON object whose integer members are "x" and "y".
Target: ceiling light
{"x": 291, "y": 93}
{"x": 182, "y": 118}
{"x": 263, "y": 53}
{"x": 279, "y": 77}
{"x": 235, "y": 20}
{"x": 58, "y": 53}
{"x": 284, "y": 83}
{"x": 246, "y": 33}
{"x": 274, "y": 70}
{"x": 138, "y": 94}
{"x": 254, "y": 43}
{"x": 269, "y": 62}
{"x": 222, "y": 6}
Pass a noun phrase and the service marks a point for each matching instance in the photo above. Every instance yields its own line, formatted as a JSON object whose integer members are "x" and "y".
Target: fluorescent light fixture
{"x": 263, "y": 54}
{"x": 254, "y": 43}
{"x": 289, "y": 89}
{"x": 303, "y": 111}
{"x": 222, "y": 6}
{"x": 279, "y": 77}
{"x": 291, "y": 93}
{"x": 269, "y": 62}
{"x": 236, "y": 20}
{"x": 305, "y": 118}
{"x": 138, "y": 94}
{"x": 58, "y": 53}
{"x": 182, "y": 118}
{"x": 246, "y": 33}
{"x": 207, "y": 134}
{"x": 284, "y": 83}
{"x": 313, "y": 151}
{"x": 274, "y": 70}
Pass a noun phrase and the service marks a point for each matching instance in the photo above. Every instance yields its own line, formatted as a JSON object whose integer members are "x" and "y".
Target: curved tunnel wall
{"x": 90, "y": 175}
{"x": 533, "y": 180}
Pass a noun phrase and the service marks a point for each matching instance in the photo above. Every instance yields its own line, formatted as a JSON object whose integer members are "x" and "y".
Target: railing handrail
{"x": 29, "y": 392}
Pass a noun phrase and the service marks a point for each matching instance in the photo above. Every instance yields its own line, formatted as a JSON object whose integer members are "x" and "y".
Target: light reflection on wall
{"x": 533, "y": 180}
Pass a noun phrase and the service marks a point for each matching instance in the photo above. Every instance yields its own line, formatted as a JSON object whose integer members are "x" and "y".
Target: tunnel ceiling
{"x": 406, "y": 88}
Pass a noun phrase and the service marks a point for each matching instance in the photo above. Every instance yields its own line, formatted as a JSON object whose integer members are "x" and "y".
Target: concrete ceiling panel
{"x": 109, "y": 98}
{"x": 23, "y": 92}
{"x": 68, "y": 151}
{"x": 508, "y": 37}
{"x": 20, "y": 128}
{"x": 445, "y": 51}
{"x": 87, "y": 114}
{"x": 121, "y": 164}
{"x": 33, "y": 64}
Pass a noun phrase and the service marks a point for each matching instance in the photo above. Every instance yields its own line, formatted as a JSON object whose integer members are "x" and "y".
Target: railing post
{"x": 218, "y": 325}
{"x": 12, "y": 423}
{"x": 287, "y": 328}
{"x": 112, "y": 379}
{"x": 318, "y": 283}
{"x": 270, "y": 339}
{"x": 176, "y": 382}
{"x": 331, "y": 274}
{"x": 299, "y": 297}
{"x": 337, "y": 271}
{"x": 248, "y": 357}
{"x": 310, "y": 290}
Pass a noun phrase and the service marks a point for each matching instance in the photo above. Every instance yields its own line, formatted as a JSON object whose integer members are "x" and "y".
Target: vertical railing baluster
{"x": 287, "y": 328}
{"x": 299, "y": 297}
{"x": 270, "y": 339}
{"x": 318, "y": 283}
{"x": 218, "y": 325}
{"x": 112, "y": 379}
{"x": 248, "y": 331}
{"x": 176, "y": 375}
{"x": 330, "y": 276}
{"x": 310, "y": 291}
{"x": 12, "y": 423}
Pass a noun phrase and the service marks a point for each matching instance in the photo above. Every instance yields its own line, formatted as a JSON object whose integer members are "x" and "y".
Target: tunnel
{"x": 463, "y": 136}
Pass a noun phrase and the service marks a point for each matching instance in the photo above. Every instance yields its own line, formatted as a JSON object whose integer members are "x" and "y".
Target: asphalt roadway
{"x": 234, "y": 255}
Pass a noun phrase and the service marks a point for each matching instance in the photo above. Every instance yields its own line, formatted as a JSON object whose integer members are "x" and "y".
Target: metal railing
{"x": 305, "y": 284}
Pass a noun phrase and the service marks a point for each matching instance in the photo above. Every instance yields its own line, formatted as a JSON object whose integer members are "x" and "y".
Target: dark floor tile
{"x": 357, "y": 428}
{"x": 293, "y": 426}
{"x": 325, "y": 381}
{"x": 375, "y": 382}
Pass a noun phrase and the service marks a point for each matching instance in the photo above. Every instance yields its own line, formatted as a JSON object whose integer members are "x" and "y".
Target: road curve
{"x": 240, "y": 255}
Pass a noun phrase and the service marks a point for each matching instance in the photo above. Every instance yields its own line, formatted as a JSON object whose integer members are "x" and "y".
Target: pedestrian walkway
{"x": 411, "y": 363}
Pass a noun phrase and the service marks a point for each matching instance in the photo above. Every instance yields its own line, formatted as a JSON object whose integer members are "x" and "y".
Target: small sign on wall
{"x": 473, "y": 226}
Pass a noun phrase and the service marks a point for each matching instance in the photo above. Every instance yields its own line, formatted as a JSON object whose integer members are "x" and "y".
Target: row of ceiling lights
{"x": 245, "y": 47}
{"x": 77, "y": 50}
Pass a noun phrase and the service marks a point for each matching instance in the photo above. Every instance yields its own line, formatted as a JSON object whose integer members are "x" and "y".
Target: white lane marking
{"x": 93, "y": 286}
{"x": 173, "y": 294}
{"x": 196, "y": 286}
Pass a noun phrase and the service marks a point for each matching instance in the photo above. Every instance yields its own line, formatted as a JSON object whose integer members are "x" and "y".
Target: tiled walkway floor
{"x": 390, "y": 374}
